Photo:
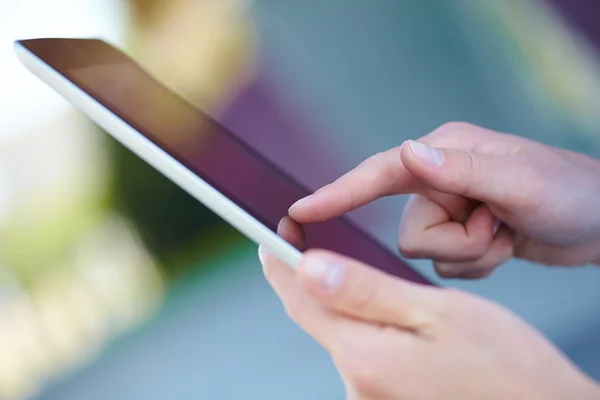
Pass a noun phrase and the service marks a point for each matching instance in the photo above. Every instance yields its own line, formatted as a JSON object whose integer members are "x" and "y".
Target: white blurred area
{"x": 25, "y": 19}
{"x": 72, "y": 274}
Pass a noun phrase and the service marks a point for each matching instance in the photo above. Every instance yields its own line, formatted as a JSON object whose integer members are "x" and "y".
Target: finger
{"x": 380, "y": 175}
{"x": 292, "y": 232}
{"x": 427, "y": 232}
{"x": 322, "y": 324}
{"x": 362, "y": 292}
{"x": 335, "y": 332}
{"x": 496, "y": 180}
{"x": 500, "y": 252}
{"x": 458, "y": 208}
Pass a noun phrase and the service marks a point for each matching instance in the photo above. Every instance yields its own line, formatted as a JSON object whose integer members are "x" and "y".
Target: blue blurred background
{"x": 115, "y": 284}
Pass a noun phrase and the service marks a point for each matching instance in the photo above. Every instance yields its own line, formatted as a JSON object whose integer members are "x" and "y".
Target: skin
{"x": 478, "y": 198}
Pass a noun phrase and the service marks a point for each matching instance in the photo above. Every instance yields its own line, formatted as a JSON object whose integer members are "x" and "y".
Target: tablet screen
{"x": 205, "y": 147}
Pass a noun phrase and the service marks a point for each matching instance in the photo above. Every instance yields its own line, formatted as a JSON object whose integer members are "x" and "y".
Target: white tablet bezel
{"x": 160, "y": 159}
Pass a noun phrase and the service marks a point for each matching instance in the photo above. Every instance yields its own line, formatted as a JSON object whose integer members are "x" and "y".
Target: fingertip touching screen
{"x": 203, "y": 146}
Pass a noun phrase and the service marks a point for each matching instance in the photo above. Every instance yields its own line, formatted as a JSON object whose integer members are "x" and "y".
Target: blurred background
{"x": 115, "y": 284}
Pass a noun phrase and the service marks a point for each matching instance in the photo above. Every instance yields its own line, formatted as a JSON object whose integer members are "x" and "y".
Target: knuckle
{"x": 452, "y": 128}
{"x": 476, "y": 246}
{"x": 506, "y": 253}
{"x": 383, "y": 168}
{"x": 454, "y": 134}
{"x": 362, "y": 295}
{"x": 409, "y": 247}
{"x": 460, "y": 175}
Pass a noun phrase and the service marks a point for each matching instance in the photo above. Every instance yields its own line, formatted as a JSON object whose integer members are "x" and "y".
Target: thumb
{"x": 362, "y": 292}
{"x": 492, "y": 179}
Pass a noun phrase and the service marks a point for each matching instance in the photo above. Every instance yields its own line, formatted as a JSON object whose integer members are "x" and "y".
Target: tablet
{"x": 204, "y": 158}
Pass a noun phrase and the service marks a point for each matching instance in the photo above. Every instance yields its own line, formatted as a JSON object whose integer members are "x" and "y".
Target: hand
{"x": 392, "y": 339}
{"x": 481, "y": 197}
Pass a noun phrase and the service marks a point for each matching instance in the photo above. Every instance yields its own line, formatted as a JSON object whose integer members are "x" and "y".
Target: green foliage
{"x": 167, "y": 218}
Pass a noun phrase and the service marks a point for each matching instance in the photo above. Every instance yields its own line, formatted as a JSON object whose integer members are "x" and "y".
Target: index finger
{"x": 378, "y": 176}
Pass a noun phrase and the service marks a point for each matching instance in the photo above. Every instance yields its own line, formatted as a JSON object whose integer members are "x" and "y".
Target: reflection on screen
{"x": 221, "y": 159}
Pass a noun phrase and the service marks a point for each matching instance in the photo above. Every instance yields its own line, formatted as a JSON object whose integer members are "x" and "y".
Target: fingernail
{"x": 296, "y": 204}
{"x": 497, "y": 224}
{"x": 262, "y": 253}
{"x": 447, "y": 269}
{"x": 425, "y": 153}
{"x": 327, "y": 275}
